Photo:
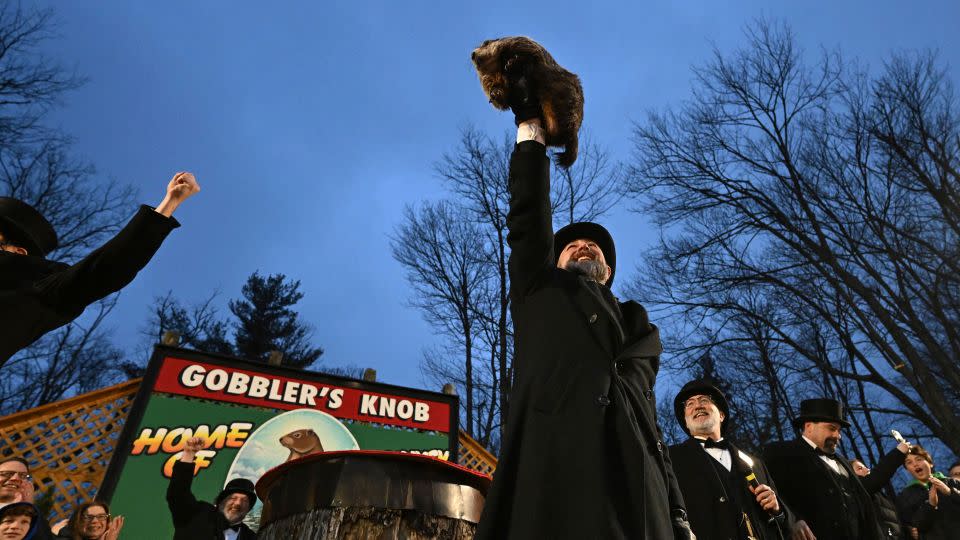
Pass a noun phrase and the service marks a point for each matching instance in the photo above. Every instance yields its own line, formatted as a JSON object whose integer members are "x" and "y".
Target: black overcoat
{"x": 708, "y": 502}
{"x": 38, "y": 295}
{"x": 193, "y": 519}
{"x": 581, "y": 455}
{"x": 812, "y": 491}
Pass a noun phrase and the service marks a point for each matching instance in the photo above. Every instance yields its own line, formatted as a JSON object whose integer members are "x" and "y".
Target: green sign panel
{"x": 252, "y": 418}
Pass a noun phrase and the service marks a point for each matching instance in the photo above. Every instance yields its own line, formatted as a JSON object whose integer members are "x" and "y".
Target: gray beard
{"x": 590, "y": 269}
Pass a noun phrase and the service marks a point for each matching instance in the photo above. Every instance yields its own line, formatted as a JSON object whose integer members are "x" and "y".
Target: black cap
{"x": 27, "y": 226}
{"x": 590, "y": 231}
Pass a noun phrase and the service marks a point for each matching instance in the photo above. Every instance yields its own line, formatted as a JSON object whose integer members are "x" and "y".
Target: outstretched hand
{"x": 182, "y": 186}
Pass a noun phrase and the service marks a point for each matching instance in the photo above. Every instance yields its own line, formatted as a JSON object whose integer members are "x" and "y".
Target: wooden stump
{"x": 367, "y": 524}
{"x": 361, "y": 495}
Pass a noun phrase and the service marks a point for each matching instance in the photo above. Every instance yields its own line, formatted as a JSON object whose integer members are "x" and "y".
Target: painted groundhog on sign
{"x": 301, "y": 442}
{"x": 498, "y": 61}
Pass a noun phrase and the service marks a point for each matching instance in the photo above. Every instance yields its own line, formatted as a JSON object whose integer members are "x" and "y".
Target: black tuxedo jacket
{"x": 708, "y": 502}
{"x": 812, "y": 490}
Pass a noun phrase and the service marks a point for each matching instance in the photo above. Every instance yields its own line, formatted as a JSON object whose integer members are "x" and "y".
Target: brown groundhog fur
{"x": 301, "y": 442}
{"x": 559, "y": 91}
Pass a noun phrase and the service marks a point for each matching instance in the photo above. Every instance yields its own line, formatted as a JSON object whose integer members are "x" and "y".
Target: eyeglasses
{"x": 6, "y": 475}
{"x": 699, "y": 400}
{"x": 90, "y": 518}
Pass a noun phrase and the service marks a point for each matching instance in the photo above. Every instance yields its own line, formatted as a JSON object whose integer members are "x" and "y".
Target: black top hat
{"x": 27, "y": 226}
{"x": 701, "y": 387}
{"x": 820, "y": 410}
{"x": 238, "y": 485}
{"x": 592, "y": 231}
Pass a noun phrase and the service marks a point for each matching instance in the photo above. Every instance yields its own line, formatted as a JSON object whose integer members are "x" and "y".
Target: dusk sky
{"x": 310, "y": 125}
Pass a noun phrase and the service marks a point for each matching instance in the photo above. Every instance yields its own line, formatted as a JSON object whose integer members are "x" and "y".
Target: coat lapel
{"x": 818, "y": 464}
{"x": 598, "y": 317}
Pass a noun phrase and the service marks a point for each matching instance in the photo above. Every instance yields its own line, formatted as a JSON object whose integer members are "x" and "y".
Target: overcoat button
{"x": 723, "y": 499}
{"x": 648, "y": 394}
{"x": 659, "y": 447}
{"x": 603, "y": 400}
{"x": 593, "y": 318}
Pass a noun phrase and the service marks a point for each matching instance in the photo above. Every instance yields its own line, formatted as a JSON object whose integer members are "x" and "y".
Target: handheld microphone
{"x": 751, "y": 478}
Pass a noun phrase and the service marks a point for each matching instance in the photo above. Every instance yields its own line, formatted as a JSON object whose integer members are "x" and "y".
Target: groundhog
{"x": 301, "y": 442}
{"x": 559, "y": 91}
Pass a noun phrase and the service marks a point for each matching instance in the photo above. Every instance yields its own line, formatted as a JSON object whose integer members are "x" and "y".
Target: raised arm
{"x": 884, "y": 470}
{"x": 115, "y": 264}
{"x": 530, "y": 220}
{"x": 183, "y": 505}
{"x": 183, "y": 186}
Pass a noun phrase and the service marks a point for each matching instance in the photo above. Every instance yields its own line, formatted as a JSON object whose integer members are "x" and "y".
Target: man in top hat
{"x": 581, "y": 455}
{"x": 728, "y": 493}
{"x": 199, "y": 520}
{"x": 820, "y": 486}
{"x": 38, "y": 295}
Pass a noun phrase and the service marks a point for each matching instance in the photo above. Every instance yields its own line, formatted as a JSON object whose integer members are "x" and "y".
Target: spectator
{"x": 931, "y": 502}
{"x": 16, "y": 486}
{"x": 886, "y": 511}
{"x": 955, "y": 471}
{"x": 19, "y": 521}
{"x": 91, "y": 521}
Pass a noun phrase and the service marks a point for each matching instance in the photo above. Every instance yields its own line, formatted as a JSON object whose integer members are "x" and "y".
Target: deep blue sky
{"x": 311, "y": 124}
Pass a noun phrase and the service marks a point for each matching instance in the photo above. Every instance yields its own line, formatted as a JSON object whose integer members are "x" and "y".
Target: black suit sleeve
{"x": 786, "y": 518}
{"x": 110, "y": 267}
{"x": 530, "y": 219}
{"x": 779, "y": 463}
{"x": 883, "y": 471}
{"x": 183, "y": 505}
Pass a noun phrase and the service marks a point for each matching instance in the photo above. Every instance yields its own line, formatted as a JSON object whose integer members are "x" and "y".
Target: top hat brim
{"x": 31, "y": 230}
{"x": 252, "y": 495}
{"x": 800, "y": 420}
{"x": 591, "y": 231}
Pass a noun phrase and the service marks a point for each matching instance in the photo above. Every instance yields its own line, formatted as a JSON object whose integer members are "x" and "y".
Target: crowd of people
{"x": 21, "y": 519}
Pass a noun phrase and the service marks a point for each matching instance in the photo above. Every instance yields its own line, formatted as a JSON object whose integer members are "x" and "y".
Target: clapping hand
{"x": 113, "y": 529}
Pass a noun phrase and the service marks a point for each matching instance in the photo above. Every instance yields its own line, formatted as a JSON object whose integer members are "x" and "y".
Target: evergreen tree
{"x": 266, "y": 322}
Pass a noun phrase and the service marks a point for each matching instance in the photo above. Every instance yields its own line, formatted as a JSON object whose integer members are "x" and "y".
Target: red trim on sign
{"x": 263, "y": 389}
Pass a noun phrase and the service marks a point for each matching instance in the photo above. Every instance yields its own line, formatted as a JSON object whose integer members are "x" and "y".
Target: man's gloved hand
{"x": 681, "y": 527}
{"x": 523, "y": 97}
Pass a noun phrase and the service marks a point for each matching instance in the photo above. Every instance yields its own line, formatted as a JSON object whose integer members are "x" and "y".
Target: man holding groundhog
{"x": 581, "y": 454}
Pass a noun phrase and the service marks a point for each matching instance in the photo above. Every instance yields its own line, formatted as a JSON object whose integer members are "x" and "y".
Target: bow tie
{"x": 820, "y": 452}
{"x": 721, "y": 444}
{"x": 234, "y": 528}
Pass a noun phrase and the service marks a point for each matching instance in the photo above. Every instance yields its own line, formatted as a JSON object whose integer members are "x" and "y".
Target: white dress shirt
{"x": 720, "y": 454}
{"x": 832, "y": 463}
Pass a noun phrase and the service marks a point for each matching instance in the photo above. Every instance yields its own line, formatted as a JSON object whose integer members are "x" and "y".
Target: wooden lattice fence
{"x": 69, "y": 443}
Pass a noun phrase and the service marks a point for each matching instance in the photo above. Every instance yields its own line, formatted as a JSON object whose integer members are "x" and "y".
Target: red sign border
{"x": 161, "y": 353}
